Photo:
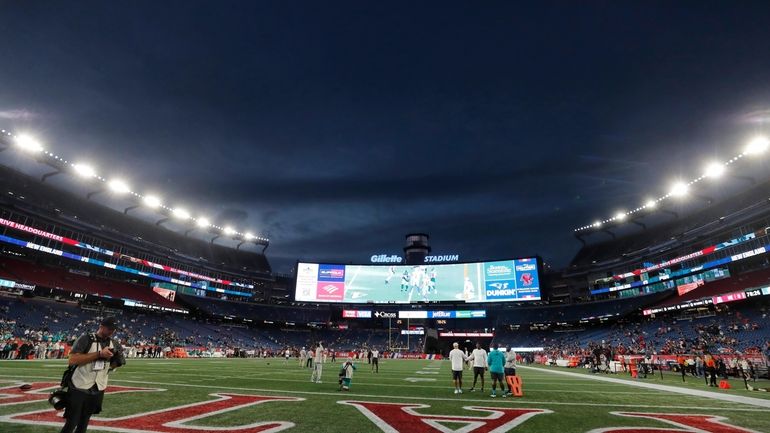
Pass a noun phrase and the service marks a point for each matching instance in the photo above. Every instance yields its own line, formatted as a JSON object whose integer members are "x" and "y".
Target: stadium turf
{"x": 579, "y": 404}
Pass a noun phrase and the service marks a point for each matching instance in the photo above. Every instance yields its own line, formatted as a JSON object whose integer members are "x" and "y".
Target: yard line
{"x": 390, "y": 376}
{"x": 353, "y": 278}
{"x": 675, "y": 389}
{"x": 462, "y": 400}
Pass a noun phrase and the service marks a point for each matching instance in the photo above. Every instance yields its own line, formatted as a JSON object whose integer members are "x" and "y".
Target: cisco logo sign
{"x": 385, "y": 315}
{"x": 393, "y": 258}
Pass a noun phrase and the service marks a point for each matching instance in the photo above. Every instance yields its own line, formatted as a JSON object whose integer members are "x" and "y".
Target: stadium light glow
{"x": 651, "y": 204}
{"x": 757, "y": 145}
{"x": 679, "y": 189}
{"x": 119, "y": 186}
{"x": 28, "y": 143}
{"x": 597, "y": 223}
{"x": 249, "y": 236}
{"x": 229, "y": 231}
{"x": 714, "y": 170}
{"x": 181, "y": 213}
{"x": 620, "y": 216}
{"x": 151, "y": 201}
{"x": 84, "y": 170}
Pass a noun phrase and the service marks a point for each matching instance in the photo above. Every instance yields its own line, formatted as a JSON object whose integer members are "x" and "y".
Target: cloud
{"x": 18, "y": 114}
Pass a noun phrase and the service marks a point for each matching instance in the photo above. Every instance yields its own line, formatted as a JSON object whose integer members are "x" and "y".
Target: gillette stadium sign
{"x": 393, "y": 258}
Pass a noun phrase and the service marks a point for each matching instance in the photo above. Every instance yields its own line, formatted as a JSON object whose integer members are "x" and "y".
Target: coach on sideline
{"x": 95, "y": 356}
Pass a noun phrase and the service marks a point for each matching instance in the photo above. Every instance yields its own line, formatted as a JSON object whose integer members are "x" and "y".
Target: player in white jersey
{"x": 318, "y": 364}
{"x": 287, "y": 355}
{"x": 302, "y": 357}
{"x": 391, "y": 274}
{"x": 468, "y": 289}
{"x": 479, "y": 357}
{"x": 457, "y": 358}
{"x": 425, "y": 288}
{"x": 416, "y": 279}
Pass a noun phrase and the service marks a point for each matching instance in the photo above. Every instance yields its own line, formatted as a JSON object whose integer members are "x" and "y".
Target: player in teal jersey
{"x": 496, "y": 361}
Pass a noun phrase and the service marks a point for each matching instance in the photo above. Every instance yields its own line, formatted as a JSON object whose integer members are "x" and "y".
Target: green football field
{"x": 572, "y": 403}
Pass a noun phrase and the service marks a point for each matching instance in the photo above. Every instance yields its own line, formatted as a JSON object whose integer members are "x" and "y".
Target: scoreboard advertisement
{"x": 496, "y": 281}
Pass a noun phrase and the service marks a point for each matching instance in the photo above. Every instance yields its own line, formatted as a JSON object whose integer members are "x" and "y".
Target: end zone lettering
{"x": 393, "y": 417}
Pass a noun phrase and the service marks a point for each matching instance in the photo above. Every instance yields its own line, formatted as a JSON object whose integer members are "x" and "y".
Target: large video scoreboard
{"x": 497, "y": 281}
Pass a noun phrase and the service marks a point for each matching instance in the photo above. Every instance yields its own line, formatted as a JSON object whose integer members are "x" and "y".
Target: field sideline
{"x": 579, "y": 404}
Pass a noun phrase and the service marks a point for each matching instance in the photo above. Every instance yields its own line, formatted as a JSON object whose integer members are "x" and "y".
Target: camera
{"x": 58, "y": 399}
{"x": 118, "y": 358}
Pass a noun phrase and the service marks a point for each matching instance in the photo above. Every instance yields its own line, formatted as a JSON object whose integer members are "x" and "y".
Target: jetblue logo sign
{"x": 393, "y": 258}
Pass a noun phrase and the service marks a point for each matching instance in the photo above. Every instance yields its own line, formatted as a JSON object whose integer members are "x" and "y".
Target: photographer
{"x": 95, "y": 356}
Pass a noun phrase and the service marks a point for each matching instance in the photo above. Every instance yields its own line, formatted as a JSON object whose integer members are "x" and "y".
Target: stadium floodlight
{"x": 597, "y": 223}
{"x": 119, "y": 186}
{"x": 714, "y": 170}
{"x": 620, "y": 216}
{"x": 679, "y": 189}
{"x": 757, "y": 145}
{"x": 249, "y": 236}
{"x": 202, "y": 222}
{"x": 229, "y": 231}
{"x": 84, "y": 170}
{"x": 181, "y": 213}
{"x": 28, "y": 143}
{"x": 650, "y": 204}
{"x": 151, "y": 201}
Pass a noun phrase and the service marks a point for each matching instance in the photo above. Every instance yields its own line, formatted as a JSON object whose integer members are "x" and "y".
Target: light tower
{"x": 416, "y": 248}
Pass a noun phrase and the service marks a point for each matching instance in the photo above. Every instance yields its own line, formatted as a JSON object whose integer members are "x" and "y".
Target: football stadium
{"x": 124, "y": 311}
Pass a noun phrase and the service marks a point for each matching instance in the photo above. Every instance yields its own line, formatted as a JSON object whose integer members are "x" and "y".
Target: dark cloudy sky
{"x": 338, "y": 127}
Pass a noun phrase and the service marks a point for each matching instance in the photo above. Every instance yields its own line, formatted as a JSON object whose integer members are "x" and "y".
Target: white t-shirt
{"x": 457, "y": 357}
{"x": 375, "y": 353}
{"x": 479, "y": 357}
{"x": 319, "y": 355}
{"x": 510, "y": 359}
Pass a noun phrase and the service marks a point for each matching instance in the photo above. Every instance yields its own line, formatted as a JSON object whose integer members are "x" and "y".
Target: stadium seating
{"x": 60, "y": 278}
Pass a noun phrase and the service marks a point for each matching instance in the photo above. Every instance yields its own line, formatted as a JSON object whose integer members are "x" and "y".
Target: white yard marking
{"x": 667, "y": 388}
